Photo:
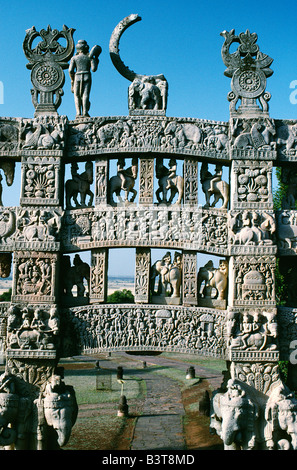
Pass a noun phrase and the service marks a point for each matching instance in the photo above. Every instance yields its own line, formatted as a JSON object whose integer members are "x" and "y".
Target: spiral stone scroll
{"x": 147, "y": 93}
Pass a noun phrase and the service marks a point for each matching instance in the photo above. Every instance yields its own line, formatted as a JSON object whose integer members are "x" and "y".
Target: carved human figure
{"x": 123, "y": 181}
{"x": 75, "y": 276}
{"x": 168, "y": 180}
{"x": 213, "y": 185}
{"x": 79, "y": 184}
{"x": 80, "y": 74}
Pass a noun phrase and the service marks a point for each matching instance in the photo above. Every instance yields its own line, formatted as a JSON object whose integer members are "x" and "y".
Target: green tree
{"x": 124, "y": 296}
{"x": 6, "y": 296}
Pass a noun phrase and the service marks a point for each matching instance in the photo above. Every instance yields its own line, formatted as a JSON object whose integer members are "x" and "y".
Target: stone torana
{"x": 180, "y": 187}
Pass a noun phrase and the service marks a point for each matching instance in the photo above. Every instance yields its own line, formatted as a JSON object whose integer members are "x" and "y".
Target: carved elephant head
{"x": 60, "y": 411}
{"x": 287, "y": 418}
{"x": 237, "y": 416}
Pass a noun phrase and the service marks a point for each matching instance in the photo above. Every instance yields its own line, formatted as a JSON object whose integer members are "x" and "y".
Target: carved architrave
{"x": 142, "y": 275}
{"x": 9, "y": 136}
{"x": 251, "y": 183}
{"x": 188, "y": 228}
{"x": 98, "y": 280}
{"x": 137, "y": 134}
{"x": 35, "y": 277}
{"x": 41, "y": 181}
{"x": 149, "y": 328}
{"x": 286, "y": 138}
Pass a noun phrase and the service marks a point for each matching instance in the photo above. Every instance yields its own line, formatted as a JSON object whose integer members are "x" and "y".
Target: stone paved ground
{"x": 160, "y": 424}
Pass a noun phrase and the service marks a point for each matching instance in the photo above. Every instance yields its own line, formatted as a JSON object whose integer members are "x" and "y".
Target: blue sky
{"x": 179, "y": 39}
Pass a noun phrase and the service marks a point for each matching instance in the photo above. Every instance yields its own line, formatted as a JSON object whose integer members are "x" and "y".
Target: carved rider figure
{"x": 215, "y": 178}
{"x": 80, "y": 74}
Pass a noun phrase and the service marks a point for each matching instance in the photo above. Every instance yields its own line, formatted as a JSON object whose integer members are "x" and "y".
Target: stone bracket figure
{"x": 80, "y": 69}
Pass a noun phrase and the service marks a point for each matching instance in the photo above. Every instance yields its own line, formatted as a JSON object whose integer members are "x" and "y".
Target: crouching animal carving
{"x": 42, "y": 423}
{"x": 234, "y": 417}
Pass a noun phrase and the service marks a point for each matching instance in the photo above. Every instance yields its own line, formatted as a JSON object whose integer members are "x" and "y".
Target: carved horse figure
{"x": 75, "y": 275}
{"x": 219, "y": 189}
{"x": 80, "y": 184}
{"x": 123, "y": 181}
{"x": 168, "y": 180}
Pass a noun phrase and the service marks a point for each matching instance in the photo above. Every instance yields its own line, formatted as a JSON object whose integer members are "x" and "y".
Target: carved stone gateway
{"x": 174, "y": 190}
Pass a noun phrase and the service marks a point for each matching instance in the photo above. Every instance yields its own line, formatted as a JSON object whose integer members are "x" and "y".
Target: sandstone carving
{"x": 136, "y": 182}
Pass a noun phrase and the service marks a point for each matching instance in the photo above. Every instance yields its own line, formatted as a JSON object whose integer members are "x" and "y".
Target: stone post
{"x": 189, "y": 277}
{"x": 190, "y": 182}
{"x": 98, "y": 280}
{"x": 142, "y": 275}
{"x": 101, "y": 181}
{"x": 146, "y": 181}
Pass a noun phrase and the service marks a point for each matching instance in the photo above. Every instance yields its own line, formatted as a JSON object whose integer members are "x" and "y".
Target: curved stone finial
{"x": 147, "y": 93}
{"x": 114, "y": 46}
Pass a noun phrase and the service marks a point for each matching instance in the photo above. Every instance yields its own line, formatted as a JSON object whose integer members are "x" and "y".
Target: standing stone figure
{"x": 80, "y": 74}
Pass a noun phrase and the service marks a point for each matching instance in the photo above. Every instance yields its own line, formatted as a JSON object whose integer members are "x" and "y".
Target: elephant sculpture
{"x": 41, "y": 423}
{"x": 281, "y": 419}
{"x": 147, "y": 92}
{"x": 170, "y": 276}
{"x": 234, "y": 417}
{"x": 213, "y": 278}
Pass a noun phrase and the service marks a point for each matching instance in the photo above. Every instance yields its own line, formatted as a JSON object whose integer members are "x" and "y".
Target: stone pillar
{"x": 146, "y": 181}
{"x": 189, "y": 277}
{"x": 190, "y": 182}
{"x": 98, "y": 280}
{"x": 101, "y": 181}
{"x": 142, "y": 275}
{"x": 251, "y": 292}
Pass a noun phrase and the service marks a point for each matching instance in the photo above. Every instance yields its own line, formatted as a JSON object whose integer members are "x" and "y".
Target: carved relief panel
{"x": 252, "y": 280}
{"x": 252, "y": 185}
{"x": 35, "y": 277}
{"x": 41, "y": 181}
